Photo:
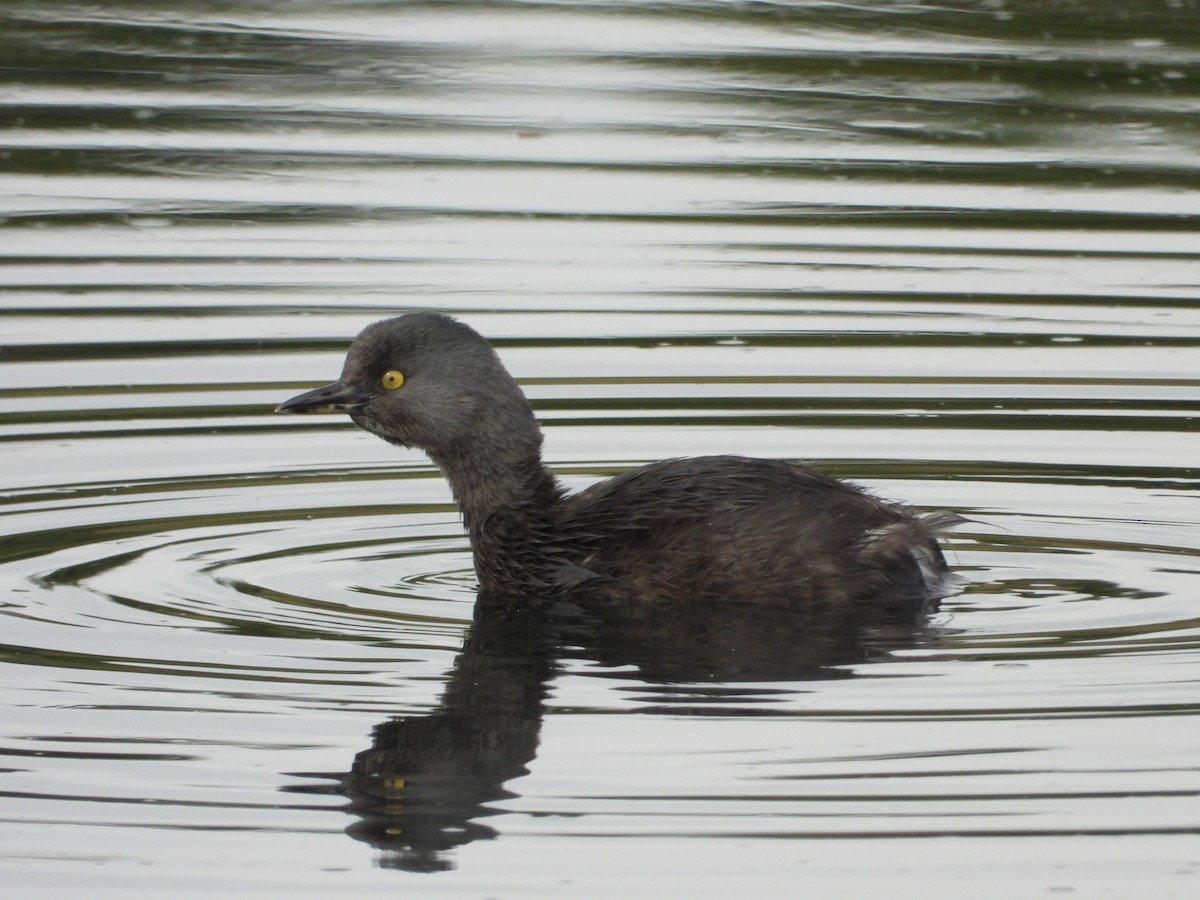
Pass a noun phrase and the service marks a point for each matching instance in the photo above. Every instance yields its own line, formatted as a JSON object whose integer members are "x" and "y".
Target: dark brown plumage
{"x": 710, "y": 528}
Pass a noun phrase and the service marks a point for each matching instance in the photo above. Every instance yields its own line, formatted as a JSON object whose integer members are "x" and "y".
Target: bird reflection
{"x": 428, "y": 784}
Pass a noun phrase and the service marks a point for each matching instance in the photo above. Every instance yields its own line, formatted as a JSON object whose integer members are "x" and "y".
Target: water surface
{"x": 948, "y": 250}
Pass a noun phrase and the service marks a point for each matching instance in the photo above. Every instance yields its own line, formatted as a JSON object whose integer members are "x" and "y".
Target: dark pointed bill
{"x": 333, "y": 398}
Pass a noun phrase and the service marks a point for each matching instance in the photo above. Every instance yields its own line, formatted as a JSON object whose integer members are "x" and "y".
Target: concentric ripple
{"x": 294, "y": 598}
{"x": 1046, "y": 580}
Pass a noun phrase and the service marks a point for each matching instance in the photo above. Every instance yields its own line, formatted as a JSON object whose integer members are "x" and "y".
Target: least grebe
{"x": 761, "y": 531}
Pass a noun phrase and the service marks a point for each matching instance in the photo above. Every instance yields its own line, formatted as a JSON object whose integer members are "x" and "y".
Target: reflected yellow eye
{"x": 392, "y": 379}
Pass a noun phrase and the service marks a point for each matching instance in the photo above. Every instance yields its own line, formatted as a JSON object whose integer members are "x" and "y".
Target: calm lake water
{"x": 949, "y": 250}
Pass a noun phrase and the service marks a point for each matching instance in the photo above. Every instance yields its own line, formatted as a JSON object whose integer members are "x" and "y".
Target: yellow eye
{"x": 392, "y": 379}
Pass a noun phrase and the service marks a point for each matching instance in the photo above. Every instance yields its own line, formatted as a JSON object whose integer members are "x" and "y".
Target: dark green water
{"x": 949, "y": 250}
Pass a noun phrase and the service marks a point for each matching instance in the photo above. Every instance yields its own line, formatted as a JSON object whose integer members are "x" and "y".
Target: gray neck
{"x": 509, "y": 502}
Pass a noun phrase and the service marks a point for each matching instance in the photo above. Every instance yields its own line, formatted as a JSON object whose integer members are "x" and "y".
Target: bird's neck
{"x": 510, "y": 503}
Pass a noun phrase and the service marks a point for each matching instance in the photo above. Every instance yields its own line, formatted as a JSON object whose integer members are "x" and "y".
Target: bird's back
{"x": 752, "y": 530}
